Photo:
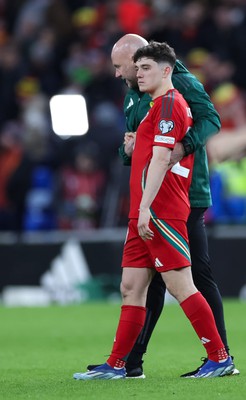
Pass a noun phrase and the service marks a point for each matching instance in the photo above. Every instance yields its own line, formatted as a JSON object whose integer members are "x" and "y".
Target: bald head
{"x": 122, "y": 54}
{"x": 129, "y": 43}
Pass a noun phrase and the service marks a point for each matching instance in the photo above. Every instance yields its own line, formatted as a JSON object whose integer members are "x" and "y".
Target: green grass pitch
{"x": 41, "y": 348}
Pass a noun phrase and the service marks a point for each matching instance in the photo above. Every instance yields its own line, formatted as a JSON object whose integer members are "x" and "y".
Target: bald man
{"x": 206, "y": 124}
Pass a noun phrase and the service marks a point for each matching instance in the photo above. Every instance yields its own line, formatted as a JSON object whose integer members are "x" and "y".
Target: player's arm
{"x": 158, "y": 167}
{"x": 206, "y": 119}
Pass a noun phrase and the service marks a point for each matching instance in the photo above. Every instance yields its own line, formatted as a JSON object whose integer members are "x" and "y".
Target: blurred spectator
{"x": 230, "y": 102}
{"x": 210, "y": 68}
{"x": 107, "y": 125}
{"x": 223, "y": 34}
{"x": 180, "y": 26}
{"x": 40, "y": 207}
{"x": 196, "y": 59}
{"x": 43, "y": 61}
{"x": 230, "y": 143}
{"x": 32, "y": 185}
{"x": 12, "y": 69}
{"x": 132, "y": 15}
{"x": 227, "y": 157}
{"x": 10, "y": 158}
{"x": 81, "y": 190}
{"x": 228, "y": 191}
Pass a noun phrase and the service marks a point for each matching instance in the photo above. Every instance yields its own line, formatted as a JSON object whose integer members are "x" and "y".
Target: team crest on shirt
{"x": 166, "y": 126}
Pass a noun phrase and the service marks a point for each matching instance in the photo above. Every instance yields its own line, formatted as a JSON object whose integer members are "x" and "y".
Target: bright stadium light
{"x": 69, "y": 115}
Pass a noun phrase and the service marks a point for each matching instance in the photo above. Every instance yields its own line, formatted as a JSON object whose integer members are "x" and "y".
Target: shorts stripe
{"x": 172, "y": 237}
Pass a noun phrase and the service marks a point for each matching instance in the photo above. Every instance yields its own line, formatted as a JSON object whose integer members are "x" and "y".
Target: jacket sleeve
{"x": 124, "y": 157}
{"x": 206, "y": 118}
{"x": 134, "y": 115}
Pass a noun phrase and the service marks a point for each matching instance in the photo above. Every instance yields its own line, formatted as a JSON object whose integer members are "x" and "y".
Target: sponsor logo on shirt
{"x": 166, "y": 126}
{"x": 164, "y": 139}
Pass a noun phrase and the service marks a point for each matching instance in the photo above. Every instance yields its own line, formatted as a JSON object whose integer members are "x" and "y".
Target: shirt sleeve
{"x": 166, "y": 122}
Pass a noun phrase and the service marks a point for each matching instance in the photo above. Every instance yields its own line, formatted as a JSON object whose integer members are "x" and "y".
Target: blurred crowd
{"x": 50, "y": 47}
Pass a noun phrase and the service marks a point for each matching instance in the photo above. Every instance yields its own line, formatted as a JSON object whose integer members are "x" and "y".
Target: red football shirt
{"x": 165, "y": 124}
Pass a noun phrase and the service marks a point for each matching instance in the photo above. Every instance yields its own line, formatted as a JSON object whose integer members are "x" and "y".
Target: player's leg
{"x": 174, "y": 265}
{"x": 136, "y": 277}
{"x": 134, "y": 286}
{"x": 135, "y": 282}
{"x": 180, "y": 284}
{"x": 203, "y": 279}
{"x": 154, "y": 306}
{"x": 201, "y": 270}
{"x": 203, "y": 276}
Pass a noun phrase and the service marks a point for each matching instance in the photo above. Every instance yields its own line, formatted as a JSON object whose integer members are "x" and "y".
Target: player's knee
{"x": 171, "y": 289}
{"x": 126, "y": 288}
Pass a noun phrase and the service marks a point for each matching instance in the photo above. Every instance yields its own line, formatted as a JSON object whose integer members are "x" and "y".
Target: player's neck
{"x": 161, "y": 90}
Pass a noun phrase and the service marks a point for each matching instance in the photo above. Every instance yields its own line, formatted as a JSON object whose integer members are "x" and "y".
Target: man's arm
{"x": 158, "y": 167}
{"x": 127, "y": 160}
{"x": 206, "y": 124}
{"x": 227, "y": 145}
{"x": 133, "y": 115}
{"x": 126, "y": 149}
{"x": 206, "y": 119}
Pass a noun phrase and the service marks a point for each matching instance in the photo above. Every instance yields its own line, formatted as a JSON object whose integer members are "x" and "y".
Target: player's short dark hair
{"x": 159, "y": 52}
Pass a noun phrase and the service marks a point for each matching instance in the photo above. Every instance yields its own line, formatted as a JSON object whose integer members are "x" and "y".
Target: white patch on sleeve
{"x": 179, "y": 170}
{"x": 164, "y": 139}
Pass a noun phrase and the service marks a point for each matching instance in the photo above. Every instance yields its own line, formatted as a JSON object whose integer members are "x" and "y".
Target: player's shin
{"x": 131, "y": 322}
{"x": 201, "y": 317}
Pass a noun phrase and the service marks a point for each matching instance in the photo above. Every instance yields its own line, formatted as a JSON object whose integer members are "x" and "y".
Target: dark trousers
{"x": 203, "y": 279}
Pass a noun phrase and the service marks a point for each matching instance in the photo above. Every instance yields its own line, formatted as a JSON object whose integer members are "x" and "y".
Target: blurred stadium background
{"x": 64, "y": 200}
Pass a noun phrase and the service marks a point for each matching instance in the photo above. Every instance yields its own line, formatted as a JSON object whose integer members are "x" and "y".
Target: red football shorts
{"x": 169, "y": 248}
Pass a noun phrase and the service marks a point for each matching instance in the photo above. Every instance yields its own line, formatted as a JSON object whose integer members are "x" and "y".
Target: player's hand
{"x": 129, "y": 142}
{"x": 143, "y": 225}
{"x": 177, "y": 154}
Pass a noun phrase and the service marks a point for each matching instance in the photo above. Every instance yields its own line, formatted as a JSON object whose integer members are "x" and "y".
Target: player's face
{"x": 124, "y": 68}
{"x": 149, "y": 75}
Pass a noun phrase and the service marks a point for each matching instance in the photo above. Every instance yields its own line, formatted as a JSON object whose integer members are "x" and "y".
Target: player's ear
{"x": 166, "y": 70}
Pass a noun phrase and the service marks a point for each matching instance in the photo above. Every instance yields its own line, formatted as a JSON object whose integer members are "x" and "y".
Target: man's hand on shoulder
{"x": 129, "y": 141}
{"x": 177, "y": 154}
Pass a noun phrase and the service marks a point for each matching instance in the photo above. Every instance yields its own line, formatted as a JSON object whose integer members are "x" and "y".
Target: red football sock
{"x": 131, "y": 322}
{"x": 201, "y": 317}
